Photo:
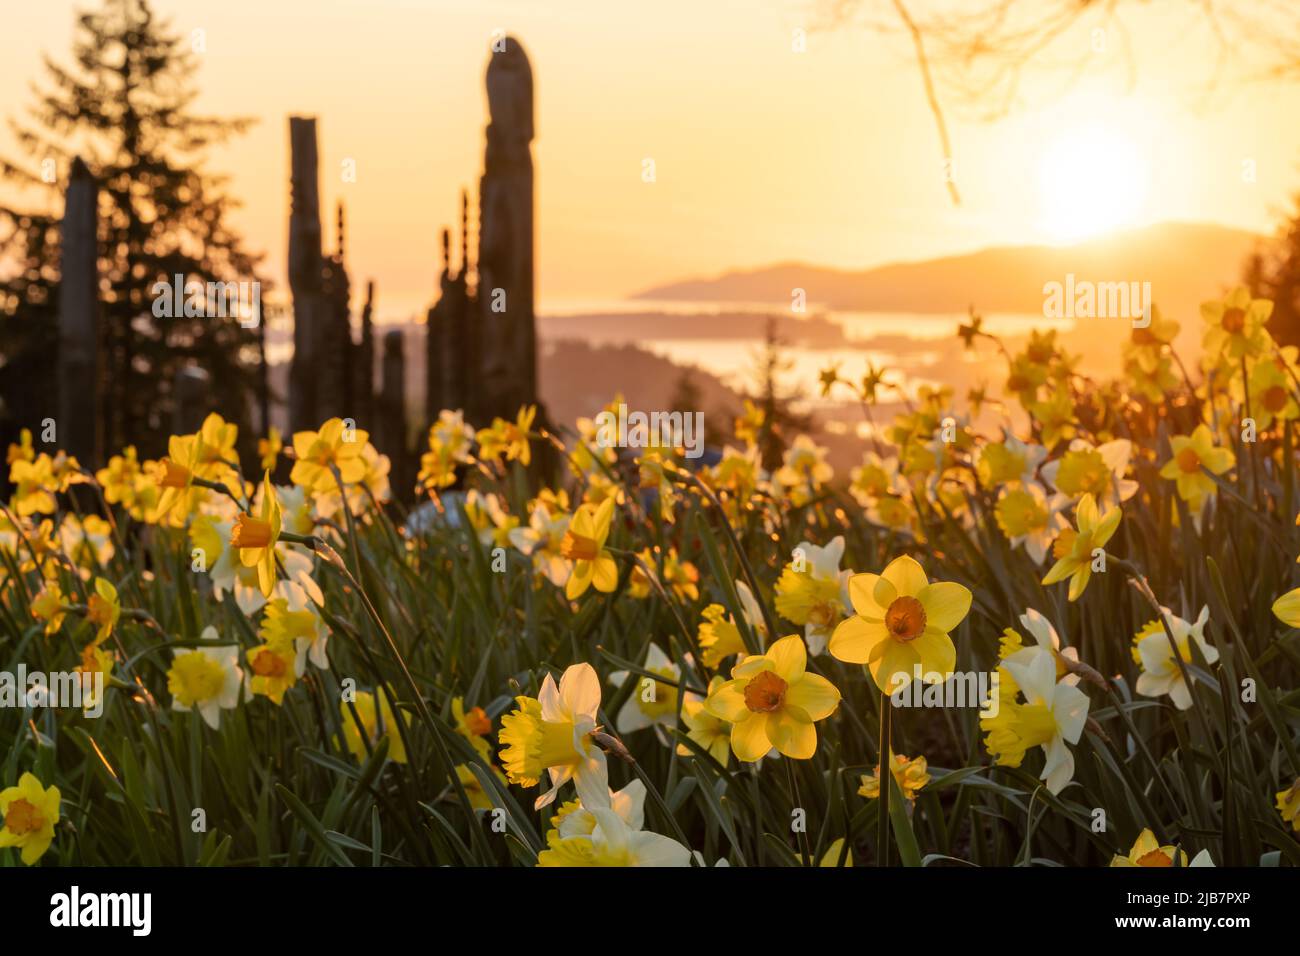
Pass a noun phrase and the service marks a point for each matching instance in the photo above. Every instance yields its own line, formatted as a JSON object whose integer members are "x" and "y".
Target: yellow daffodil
{"x": 271, "y": 670}
{"x": 811, "y": 591}
{"x": 680, "y": 577}
{"x": 1074, "y": 548}
{"x": 123, "y": 480}
{"x": 805, "y": 465}
{"x": 94, "y": 660}
{"x": 584, "y": 545}
{"x": 478, "y": 796}
{"x": 1288, "y": 804}
{"x": 48, "y": 606}
{"x": 1147, "y": 852}
{"x": 552, "y": 732}
{"x": 1235, "y": 325}
{"x": 23, "y": 451}
{"x": 336, "y": 445}
{"x": 773, "y": 701}
{"x": 1272, "y": 393}
{"x": 103, "y": 609}
{"x": 508, "y": 439}
{"x": 30, "y": 812}
{"x": 910, "y": 773}
{"x": 712, "y": 733}
{"x": 34, "y": 486}
{"x": 206, "y": 679}
{"x": 1192, "y": 456}
{"x": 543, "y": 541}
{"x": 375, "y": 723}
{"x": 176, "y": 473}
{"x": 269, "y": 448}
{"x": 1287, "y": 608}
{"x": 254, "y": 537}
{"x": 901, "y": 623}
{"x": 449, "y": 442}
{"x": 474, "y": 725}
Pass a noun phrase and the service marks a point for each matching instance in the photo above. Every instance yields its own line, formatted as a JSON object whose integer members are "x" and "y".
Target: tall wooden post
{"x": 305, "y": 274}
{"x": 79, "y": 426}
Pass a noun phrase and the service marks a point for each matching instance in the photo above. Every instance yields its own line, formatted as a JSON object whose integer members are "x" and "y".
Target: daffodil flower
{"x": 1147, "y": 852}
{"x": 584, "y": 545}
{"x": 334, "y": 446}
{"x": 773, "y": 701}
{"x": 652, "y": 703}
{"x": 910, "y": 773}
{"x": 103, "y": 609}
{"x": 552, "y": 732}
{"x": 1160, "y": 671}
{"x": 30, "y": 812}
{"x": 543, "y": 541}
{"x": 206, "y": 679}
{"x": 254, "y": 537}
{"x": 1288, "y": 804}
{"x": 815, "y": 597}
{"x": 1193, "y": 456}
{"x": 614, "y": 843}
{"x": 1074, "y": 549}
{"x": 711, "y": 732}
{"x": 375, "y": 722}
{"x": 1052, "y": 716}
{"x": 901, "y": 622}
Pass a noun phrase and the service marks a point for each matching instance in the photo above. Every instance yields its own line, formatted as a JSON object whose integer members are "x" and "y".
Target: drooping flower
{"x": 910, "y": 773}
{"x": 30, "y": 812}
{"x": 254, "y": 537}
{"x": 584, "y": 545}
{"x": 1147, "y": 852}
{"x": 336, "y": 445}
{"x": 552, "y": 732}
{"x": 1160, "y": 671}
{"x": 772, "y": 700}
{"x": 901, "y": 622}
{"x": 1074, "y": 548}
{"x": 207, "y": 679}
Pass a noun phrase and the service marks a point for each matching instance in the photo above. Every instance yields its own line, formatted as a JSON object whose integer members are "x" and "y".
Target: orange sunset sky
{"x": 763, "y": 154}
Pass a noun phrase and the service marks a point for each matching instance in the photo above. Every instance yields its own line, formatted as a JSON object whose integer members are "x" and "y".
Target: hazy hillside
{"x": 1007, "y": 279}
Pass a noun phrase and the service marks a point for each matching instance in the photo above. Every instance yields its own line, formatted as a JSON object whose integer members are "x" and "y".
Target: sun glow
{"x": 1091, "y": 180}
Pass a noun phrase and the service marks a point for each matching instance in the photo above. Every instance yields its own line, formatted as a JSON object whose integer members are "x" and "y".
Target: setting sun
{"x": 1091, "y": 180}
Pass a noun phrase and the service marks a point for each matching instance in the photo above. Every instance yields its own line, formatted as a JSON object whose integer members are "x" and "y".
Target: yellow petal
{"x": 946, "y": 604}
{"x": 789, "y": 658}
{"x": 855, "y": 638}
{"x": 862, "y": 595}
{"x": 906, "y": 575}
{"x": 792, "y": 736}
{"x": 814, "y": 695}
{"x": 749, "y": 738}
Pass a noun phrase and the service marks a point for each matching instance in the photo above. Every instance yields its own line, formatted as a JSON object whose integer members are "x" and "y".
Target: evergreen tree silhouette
{"x": 126, "y": 109}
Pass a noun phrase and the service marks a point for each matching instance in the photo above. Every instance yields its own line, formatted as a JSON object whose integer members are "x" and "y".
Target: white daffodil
{"x": 206, "y": 679}
{"x": 1052, "y": 716}
{"x": 542, "y": 541}
{"x": 1046, "y": 641}
{"x": 1160, "y": 671}
{"x": 552, "y": 733}
{"x": 628, "y": 803}
{"x": 653, "y": 703}
{"x": 614, "y": 843}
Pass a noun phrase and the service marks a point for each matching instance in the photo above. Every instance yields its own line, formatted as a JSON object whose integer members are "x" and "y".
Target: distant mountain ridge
{"x": 1184, "y": 262}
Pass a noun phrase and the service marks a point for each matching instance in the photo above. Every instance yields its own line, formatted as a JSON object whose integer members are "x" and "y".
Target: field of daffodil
{"x": 639, "y": 660}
